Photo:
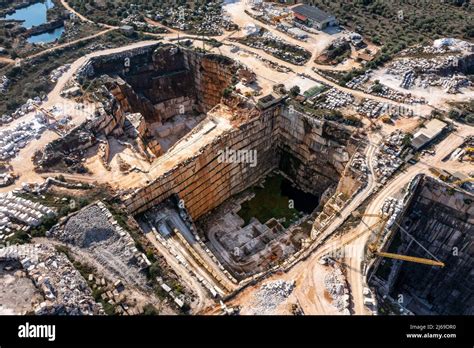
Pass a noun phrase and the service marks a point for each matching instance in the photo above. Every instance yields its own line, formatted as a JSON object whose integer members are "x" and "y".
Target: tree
{"x": 294, "y": 91}
{"x": 407, "y": 140}
{"x": 377, "y": 88}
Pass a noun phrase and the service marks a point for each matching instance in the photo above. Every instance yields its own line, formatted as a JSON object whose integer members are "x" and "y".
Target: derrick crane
{"x": 373, "y": 246}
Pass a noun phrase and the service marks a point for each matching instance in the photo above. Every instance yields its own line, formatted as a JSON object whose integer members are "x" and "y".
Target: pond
{"x": 34, "y": 15}
{"x": 46, "y": 37}
{"x": 274, "y": 201}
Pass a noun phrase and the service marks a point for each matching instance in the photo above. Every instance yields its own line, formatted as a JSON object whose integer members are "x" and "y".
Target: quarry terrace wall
{"x": 203, "y": 181}
{"x": 157, "y": 79}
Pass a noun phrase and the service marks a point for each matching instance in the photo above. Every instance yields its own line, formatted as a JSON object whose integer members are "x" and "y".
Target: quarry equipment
{"x": 373, "y": 246}
{"x": 45, "y": 112}
{"x": 463, "y": 181}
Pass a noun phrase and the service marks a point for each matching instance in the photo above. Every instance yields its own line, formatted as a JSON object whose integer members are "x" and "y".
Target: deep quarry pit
{"x": 178, "y": 111}
{"x": 441, "y": 219}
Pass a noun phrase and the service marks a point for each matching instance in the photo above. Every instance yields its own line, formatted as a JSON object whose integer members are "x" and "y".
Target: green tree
{"x": 294, "y": 91}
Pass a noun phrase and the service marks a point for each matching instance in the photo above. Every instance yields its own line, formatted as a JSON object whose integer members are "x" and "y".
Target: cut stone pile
{"x": 392, "y": 207}
{"x": 336, "y": 286}
{"x": 21, "y": 111}
{"x": 20, "y": 209}
{"x": 6, "y": 179}
{"x": 335, "y": 99}
{"x": 424, "y": 72}
{"x": 358, "y": 81}
{"x": 57, "y": 73}
{"x": 371, "y": 108}
{"x": 12, "y": 140}
{"x": 270, "y": 295}
{"x": 64, "y": 290}
{"x": 387, "y": 159}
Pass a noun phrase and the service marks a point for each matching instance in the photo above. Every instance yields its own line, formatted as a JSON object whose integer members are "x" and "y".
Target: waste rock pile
{"x": 4, "y": 83}
{"x": 270, "y": 295}
{"x": 336, "y": 285}
{"x": 94, "y": 230}
{"x": 63, "y": 288}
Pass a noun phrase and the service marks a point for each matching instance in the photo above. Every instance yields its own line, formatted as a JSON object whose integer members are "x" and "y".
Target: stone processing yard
{"x": 268, "y": 169}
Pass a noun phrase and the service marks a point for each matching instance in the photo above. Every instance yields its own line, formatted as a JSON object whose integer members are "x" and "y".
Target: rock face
{"x": 163, "y": 80}
{"x": 441, "y": 219}
{"x": 204, "y": 181}
{"x": 313, "y": 152}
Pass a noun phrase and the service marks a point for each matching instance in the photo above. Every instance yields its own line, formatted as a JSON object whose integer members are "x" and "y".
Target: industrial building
{"x": 427, "y": 134}
{"x": 313, "y": 16}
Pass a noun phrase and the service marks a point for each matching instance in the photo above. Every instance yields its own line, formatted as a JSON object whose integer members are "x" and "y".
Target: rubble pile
{"x": 20, "y": 209}
{"x": 271, "y": 295}
{"x": 336, "y": 286}
{"x": 359, "y": 163}
{"x": 6, "y": 179}
{"x": 12, "y": 140}
{"x": 64, "y": 290}
{"x": 39, "y": 188}
{"x": 4, "y": 83}
{"x": 387, "y": 159}
{"x": 67, "y": 151}
{"x": 95, "y": 230}
{"x": 334, "y": 99}
{"x": 58, "y": 72}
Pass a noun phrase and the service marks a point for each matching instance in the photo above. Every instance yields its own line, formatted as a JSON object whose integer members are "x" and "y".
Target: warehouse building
{"x": 427, "y": 134}
{"x": 313, "y": 16}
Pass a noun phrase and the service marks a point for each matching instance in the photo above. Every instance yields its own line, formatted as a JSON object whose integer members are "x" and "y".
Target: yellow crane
{"x": 48, "y": 114}
{"x": 373, "y": 246}
{"x": 460, "y": 182}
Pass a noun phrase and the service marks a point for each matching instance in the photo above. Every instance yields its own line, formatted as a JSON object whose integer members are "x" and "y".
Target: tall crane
{"x": 373, "y": 246}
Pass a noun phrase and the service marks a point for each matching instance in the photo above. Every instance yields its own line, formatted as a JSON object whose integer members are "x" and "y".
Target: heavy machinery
{"x": 373, "y": 246}
{"x": 463, "y": 181}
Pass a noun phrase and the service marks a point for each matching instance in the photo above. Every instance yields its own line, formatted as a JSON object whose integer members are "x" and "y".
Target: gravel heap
{"x": 88, "y": 226}
{"x": 335, "y": 284}
{"x": 64, "y": 290}
{"x": 271, "y": 295}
